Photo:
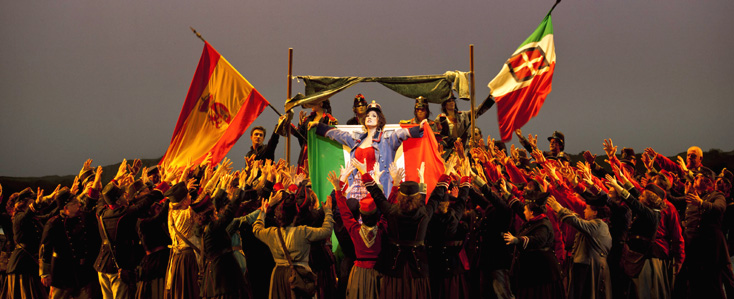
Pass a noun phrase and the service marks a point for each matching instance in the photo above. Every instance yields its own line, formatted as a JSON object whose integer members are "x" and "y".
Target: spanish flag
{"x": 219, "y": 107}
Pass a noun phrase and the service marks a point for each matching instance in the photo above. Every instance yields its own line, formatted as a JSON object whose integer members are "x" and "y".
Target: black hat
{"x": 86, "y": 175}
{"x": 201, "y": 206}
{"x": 708, "y": 173}
{"x": 725, "y": 173}
{"x": 421, "y": 102}
{"x": 374, "y": 106}
{"x": 537, "y": 198}
{"x": 135, "y": 187}
{"x": 656, "y": 189}
{"x": 111, "y": 193}
{"x": 523, "y": 160}
{"x": 359, "y": 101}
{"x": 286, "y": 210}
{"x": 500, "y": 145}
{"x": 63, "y": 197}
{"x": 153, "y": 170}
{"x": 559, "y": 136}
{"x": 26, "y": 193}
{"x": 628, "y": 154}
{"x": 220, "y": 202}
{"x": 177, "y": 193}
{"x": 409, "y": 188}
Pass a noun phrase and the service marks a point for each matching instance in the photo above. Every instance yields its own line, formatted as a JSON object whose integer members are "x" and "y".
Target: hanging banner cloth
{"x": 435, "y": 88}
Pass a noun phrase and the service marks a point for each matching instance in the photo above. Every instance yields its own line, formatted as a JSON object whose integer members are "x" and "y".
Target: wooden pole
{"x": 288, "y": 136}
{"x": 197, "y": 34}
{"x": 471, "y": 76}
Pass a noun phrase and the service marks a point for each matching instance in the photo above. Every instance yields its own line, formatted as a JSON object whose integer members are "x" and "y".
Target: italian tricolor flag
{"x": 325, "y": 155}
{"x": 219, "y": 107}
{"x": 525, "y": 80}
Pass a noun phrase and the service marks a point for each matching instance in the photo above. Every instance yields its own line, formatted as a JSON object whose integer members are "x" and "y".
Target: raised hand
{"x": 377, "y": 172}
{"x": 589, "y": 157}
{"x": 501, "y": 156}
{"x": 333, "y": 179}
{"x": 74, "y": 186}
{"x": 421, "y": 173}
{"x": 570, "y": 175}
{"x": 609, "y": 148}
{"x": 39, "y": 195}
{"x": 682, "y": 164}
{"x": 459, "y": 148}
{"x": 299, "y": 178}
{"x": 479, "y": 154}
{"x": 328, "y": 203}
{"x": 550, "y": 168}
{"x": 253, "y": 175}
{"x": 554, "y": 204}
{"x": 98, "y": 178}
{"x": 612, "y": 182}
{"x": 533, "y": 140}
{"x": 514, "y": 153}
{"x": 207, "y": 160}
{"x": 135, "y": 168}
{"x": 172, "y": 174}
{"x": 86, "y": 166}
{"x": 538, "y": 156}
{"x": 449, "y": 166}
{"x": 397, "y": 174}
{"x": 649, "y": 163}
{"x": 346, "y": 171}
{"x": 503, "y": 186}
{"x": 226, "y": 165}
{"x": 359, "y": 165}
{"x": 585, "y": 172}
{"x": 652, "y": 153}
{"x": 491, "y": 148}
{"x": 122, "y": 170}
{"x": 620, "y": 175}
{"x": 191, "y": 184}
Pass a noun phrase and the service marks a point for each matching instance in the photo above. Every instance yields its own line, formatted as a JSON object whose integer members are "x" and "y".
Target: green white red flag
{"x": 325, "y": 155}
{"x": 523, "y": 83}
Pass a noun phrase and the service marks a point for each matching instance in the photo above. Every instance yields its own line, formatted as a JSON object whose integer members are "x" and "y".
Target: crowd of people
{"x": 499, "y": 223}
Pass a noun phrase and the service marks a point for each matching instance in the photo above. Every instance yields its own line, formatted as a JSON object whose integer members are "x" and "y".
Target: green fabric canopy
{"x": 435, "y": 88}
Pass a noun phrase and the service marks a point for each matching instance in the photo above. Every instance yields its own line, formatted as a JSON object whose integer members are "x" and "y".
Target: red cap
{"x": 367, "y": 205}
{"x": 292, "y": 188}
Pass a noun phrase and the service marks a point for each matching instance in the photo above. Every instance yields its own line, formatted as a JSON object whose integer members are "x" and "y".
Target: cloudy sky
{"x": 107, "y": 79}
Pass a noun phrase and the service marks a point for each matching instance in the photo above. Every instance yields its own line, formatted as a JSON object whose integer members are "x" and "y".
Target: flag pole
{"x": 203, "y": 40}
{"x": 554, "y": 6}
{"x": 197, "y": 34}
{"x": 471, "y": 76}
{"x": 288, "y": 132}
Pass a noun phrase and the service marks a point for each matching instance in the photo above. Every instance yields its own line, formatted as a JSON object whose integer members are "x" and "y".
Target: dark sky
{"x": 107, "y": 79}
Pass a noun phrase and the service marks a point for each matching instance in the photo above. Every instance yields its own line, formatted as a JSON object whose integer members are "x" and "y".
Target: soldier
{"x": 117, "y": 217}
{"x": 68, "y": 247}
{"x": 707, "y": 259}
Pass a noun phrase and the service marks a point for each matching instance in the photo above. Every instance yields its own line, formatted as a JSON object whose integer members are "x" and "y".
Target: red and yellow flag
{"x": 219, "y": 107}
